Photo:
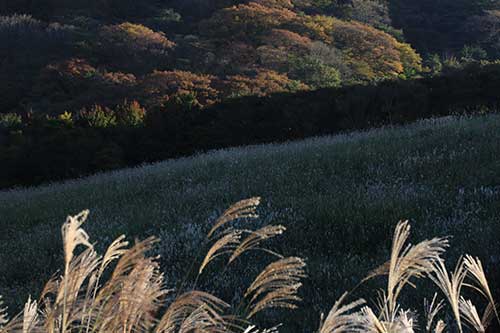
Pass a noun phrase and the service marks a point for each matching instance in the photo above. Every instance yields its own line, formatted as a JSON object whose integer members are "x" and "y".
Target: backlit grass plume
{"x": 276, "y": 286}
{"x": 124, "y": 290}
{"x": 408, "y": 263}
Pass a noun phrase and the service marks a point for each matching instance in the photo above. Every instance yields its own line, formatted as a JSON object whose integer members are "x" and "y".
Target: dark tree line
{"x": 36, "y": 149}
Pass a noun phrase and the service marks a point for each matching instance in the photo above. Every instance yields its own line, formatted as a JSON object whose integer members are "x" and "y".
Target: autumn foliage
{"x": 237, "y": 48}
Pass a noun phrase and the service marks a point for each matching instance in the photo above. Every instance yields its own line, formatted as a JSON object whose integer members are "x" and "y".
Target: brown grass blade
{"x": 451, "y": 286}
{"x": 276, "y": 285}
{"x": 180, "y": 312}
{"x": 405, "y": 322}
{"x": 470, "y": 315}
{"x": 475, "y": 270}
{"x": 129, "y": 259}
{"x": 79, "y": 270}
{"x": 225, "y": 244}
{"x": 73, "y": 235}
{"x": 488, "y": 315}
{"x": 431, "y": 311}
{"x": 129, "y": 300}
{"x": 201, "y": 320}
{"x": 30, "y": 316}
{"x": 440, "y": 327}
{"x": 4, "y": 317}
{"x": 255, "y": 238}
{"x": 141, "y": 297}
{"x": 339, "y": 320}
{"x": 115, "y": 251}
{"x": 368, "y": 322}
{"x": 242, "y": 209}
{"x": 407, "y": 262}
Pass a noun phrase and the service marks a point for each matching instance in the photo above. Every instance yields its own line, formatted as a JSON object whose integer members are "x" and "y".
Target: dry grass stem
{"x": 451, "y": 286}
{"x": 226, "y": 244}
{"x": 407, "y": 262}
{"x": 276, "y": 286}
{"x": 340, "y": 319}
{"x": 242, "y": 209}
{"x": 440, "y": 327}
{"x": 475, "y": 270}
{"x": 431, "y": 311}
{"x": 255, "y": 238}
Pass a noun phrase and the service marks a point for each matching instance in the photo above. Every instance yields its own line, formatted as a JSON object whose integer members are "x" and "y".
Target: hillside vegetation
{"x": 119, "y": 83}
{"x": 38, "y": 149}
{"x": 339, "y": 197}
{"x": 105, "y": 51}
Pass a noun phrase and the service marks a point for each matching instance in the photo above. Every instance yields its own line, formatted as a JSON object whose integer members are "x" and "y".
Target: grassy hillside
{"x": 340, "y": 198}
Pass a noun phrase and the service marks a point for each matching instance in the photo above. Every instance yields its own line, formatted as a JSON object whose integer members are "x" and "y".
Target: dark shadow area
{"x": 37, "y": 148}
{"x": 438, "y": 26}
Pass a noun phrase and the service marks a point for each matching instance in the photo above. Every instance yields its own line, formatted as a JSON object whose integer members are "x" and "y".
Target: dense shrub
{"x": 289, "y": 40}
{"x": 443, "y": 27}
{"x": 130, "y": 114}
{"x": 97, "y": 117}
{"x": 266, "y": 33}
{"x": 487, "y": 29}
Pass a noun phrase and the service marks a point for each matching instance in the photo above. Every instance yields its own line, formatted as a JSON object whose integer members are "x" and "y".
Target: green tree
{"x": 314, "y": 73}
{"x": 433, "y": 62}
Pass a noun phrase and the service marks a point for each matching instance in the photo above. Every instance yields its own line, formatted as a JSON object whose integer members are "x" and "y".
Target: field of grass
{"x": 340, "y": 198}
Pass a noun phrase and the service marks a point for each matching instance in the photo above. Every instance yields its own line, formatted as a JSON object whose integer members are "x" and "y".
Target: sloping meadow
{"x": 340, "y": 199}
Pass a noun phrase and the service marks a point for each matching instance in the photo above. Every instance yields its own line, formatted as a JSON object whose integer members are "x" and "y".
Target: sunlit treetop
{"x": 158, "y": 87}
{"x": 246, "y": 21}
{"x": 136, "y": 37}
{"x": 132, "y": 47}
{"x": 287, "y": 39}
{"x": 276, "y": 3}
{"x": 371, "y": 52}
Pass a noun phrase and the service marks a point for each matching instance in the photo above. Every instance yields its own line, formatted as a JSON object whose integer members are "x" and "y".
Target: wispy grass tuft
{"x": 125, "y": 290}
{"x": 407, "y": 263}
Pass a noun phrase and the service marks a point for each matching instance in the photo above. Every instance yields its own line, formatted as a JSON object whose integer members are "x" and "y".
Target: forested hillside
{"x": 94, "y": 76}
{"x": 65, "y": 55}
